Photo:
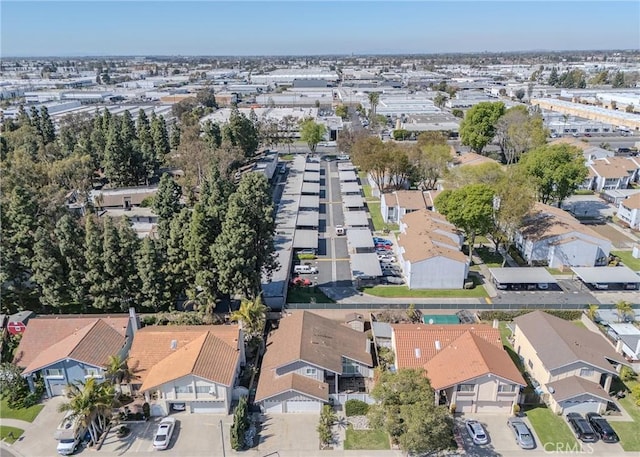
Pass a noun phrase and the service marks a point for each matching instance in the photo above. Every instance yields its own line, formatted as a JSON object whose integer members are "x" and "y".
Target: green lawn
{"x": 286, "y": 157}
{"x": 6, "y": 430}
{"x": 505, "y": 333}
{"x": 305, "y": 295}
{"x": 555, "y": 271}
{"x": 629, "y": 432}
{"x": 25, "y": 414}
{"x": 628, "y": 259}
{"x": 366, "y": 188}
{"x": 552, "y": 430}
{"x": 366, "y": 440}
{"x": 403, "y": 291}
{"x": 376, "y": 217}
{"x": 489, "y": 257}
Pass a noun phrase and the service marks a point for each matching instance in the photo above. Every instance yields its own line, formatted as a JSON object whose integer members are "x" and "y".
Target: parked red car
{"x": 302, "y": 282}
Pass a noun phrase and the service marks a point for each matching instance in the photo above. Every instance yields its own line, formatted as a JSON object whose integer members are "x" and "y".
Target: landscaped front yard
{"x": 25, "y": 414}
{"x": 552, "y": 430}
{"x": 629, "y": 432}
{"x": 368, "y": 440}
{"x": 404, "y": 291}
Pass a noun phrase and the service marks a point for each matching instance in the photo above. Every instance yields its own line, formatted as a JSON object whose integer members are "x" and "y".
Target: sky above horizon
{"x": 131, "y": 28}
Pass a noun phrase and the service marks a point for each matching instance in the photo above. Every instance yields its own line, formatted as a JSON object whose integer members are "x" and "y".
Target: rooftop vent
{"x": 174, "y": 344}
{"x": 438, "y": 345}
{"x": 418, "y": 353}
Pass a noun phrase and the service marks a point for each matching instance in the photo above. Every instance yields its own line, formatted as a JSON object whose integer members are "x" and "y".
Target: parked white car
{"x": 163, "y": 435}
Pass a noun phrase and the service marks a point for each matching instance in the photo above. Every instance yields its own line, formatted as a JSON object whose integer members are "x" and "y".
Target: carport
{"x": 350, "y": 188}
{"x": 312, "y": 166}
{"x": 311, "y": 176}
{"x": 308, "y": 219}
{"x": 305, "y": 239}
{"x": 619, "y": 277}
{"x": 365, "y": 266}
{"x": 353, "y": 202}
{"x": 360, "y": 240}
{"x": 347, "y": 176}
{"x": 309, "y": 202}
{"x": 345, "y": 166}
{"x": 356, "y": 219}
{"x": 310, "y": 188}
{"x": 522, "y": 278}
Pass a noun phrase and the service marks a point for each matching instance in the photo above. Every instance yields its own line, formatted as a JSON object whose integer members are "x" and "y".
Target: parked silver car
{"x": 523, "y": 435}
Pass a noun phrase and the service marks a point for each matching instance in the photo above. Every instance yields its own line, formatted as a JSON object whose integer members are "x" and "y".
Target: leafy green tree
{"x": 518, "y": 132}
{"x": 478, "y": 126}
{"x": 342, "y": 111}
{"x": 154, "y": 292}
{"x": 312, "y": 133}
{"x": 623, "y": 310}
{"x": 117, "y": 371}
{"x": 457, "y": 113}
{"x": 206, "y": 97}
{"x": 406, "y": 410}
{"x": 440, "y": 100}
{"x": 469, "y": 208}
{"x": 166, "y": 204}
{"x": 47, "y": 272}
{"x": 70, "y": 237}
{"x": 373, "y": 157}
{"x": 429, "y": 164}
{"x": 556, "y": 171}
{"x": 244, "y": 250}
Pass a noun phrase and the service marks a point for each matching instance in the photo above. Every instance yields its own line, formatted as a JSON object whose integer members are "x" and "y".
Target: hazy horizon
{"x": 308, "y": 28}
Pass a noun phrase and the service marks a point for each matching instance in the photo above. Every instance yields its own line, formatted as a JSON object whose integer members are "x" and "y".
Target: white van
{"x": 69, "y": 434}
{"x": 305, "y": 269}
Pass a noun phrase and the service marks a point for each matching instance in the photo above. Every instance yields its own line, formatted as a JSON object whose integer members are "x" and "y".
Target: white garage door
{"x": 272, "y": 407}
{"x": 581, "y": 407}
{"x": 57, "y": 389}
{"x": 303, "y": 406}
{"x": 208, "y": 407}
{"x": 493, "y": 407}
{"x": 464, "y": 407}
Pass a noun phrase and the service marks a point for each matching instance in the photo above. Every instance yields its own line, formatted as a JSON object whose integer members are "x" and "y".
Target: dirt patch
{"x": 618, "y": 239}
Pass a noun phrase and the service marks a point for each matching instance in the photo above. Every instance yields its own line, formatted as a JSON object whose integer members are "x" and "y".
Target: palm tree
{"x": 374, "y": 99}
{"x": 118, "y": 372}
{"x": 592, "y": 312}
{"x": 623, "y": 308}
{"x": 91, "y": 404}
{"x": 252, "y": 316}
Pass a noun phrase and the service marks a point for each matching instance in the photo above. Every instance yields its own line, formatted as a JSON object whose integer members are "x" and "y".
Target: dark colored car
{"x": 582, "y": 428}
{"x": 602, "y": 428}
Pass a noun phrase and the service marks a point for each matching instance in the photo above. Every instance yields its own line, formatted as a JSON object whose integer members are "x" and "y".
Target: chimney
{"x": 174, "y": 345}
{"x": 418, "y": 353}
{"x": 619, "y": 346}
{"x": 496, "y": 323}
{"x": 134, "y": 320}
{"x": 438, "y": 345}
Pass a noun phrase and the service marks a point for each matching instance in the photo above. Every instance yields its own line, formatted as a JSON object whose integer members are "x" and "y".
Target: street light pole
{"x": 224, "y": 454}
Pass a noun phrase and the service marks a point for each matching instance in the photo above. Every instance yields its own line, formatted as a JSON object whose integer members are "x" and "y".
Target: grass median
{"x": 404, "y": 291}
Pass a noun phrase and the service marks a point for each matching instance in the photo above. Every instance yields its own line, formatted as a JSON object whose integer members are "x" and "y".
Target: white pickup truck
{"x": 69, "y": 434}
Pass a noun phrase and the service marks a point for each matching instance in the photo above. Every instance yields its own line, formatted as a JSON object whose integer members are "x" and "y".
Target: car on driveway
{"x": 604, "y": 430}
{"x": 301, "y": 282}
{"x": 582, "y": 428}
{"x": 163, "y": 435}
{"x": 383, "y": 258}
{"x": 523, "y": 435}
{"x": 476, "y": 432}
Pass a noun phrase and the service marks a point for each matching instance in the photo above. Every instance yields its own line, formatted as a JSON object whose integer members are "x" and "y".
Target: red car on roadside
{"x": 302, "y": 282}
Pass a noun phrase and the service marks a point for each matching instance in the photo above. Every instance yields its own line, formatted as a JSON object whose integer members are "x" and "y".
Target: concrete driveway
{"x": 37, "y": 439}
{"x": 289, "y": 432}
{"x": 501, "y": 438}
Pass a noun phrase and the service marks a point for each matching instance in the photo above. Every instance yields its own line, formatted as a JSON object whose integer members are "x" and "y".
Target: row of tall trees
{"x": 391, "y": 165}
{"x": 223, "y": 245}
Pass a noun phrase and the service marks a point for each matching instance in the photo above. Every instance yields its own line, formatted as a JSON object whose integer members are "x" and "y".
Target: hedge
{"x": 356, "y": 408}
{"x": 566, "y": 314}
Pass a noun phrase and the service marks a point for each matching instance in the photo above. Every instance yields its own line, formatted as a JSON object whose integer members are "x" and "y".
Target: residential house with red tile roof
{"x": 629, "y": 211}
{"x": 187, "y": 367}
{"x": 551, "y": 236}
{"x": 311, "y": 360}
{"x": 63, "y": 350}
{"x": 466, "y": 364}
{"x": 429, "y": 252}
{"x": 573, "y": 366}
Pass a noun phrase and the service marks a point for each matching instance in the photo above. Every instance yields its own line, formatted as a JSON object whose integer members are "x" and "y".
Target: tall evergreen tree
{"x": 160, "y": 136}
{"x": 241, "y": 132}
{"x": 174, "y": 140}
{"x": 129, "y": 245}
{"x": 112, "y": 289}
{"x": 47, "y": 271}
{"x": 46, "y": 126}
{"x": 166, "y": 204}
{"x": 95, "y": 275}
{"x": 176, "y": 267}
{"x": 70, "y": 237}
{"x": 35, "y": 121}
{"x": 116, "y": 159}
{"x": 244, "y": 250}
{"x": 153, "y": 285}
{"x": 146, "y": 146}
